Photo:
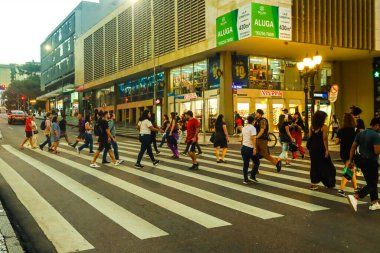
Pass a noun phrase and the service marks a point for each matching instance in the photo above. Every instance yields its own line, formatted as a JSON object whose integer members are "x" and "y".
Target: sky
{"x": 25, "y": 24}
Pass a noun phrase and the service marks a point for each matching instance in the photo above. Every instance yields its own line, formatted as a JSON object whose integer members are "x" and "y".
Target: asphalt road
{"x": 59, "y": 204}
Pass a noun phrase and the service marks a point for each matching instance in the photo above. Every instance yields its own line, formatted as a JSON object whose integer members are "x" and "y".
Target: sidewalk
{"x": 8, "y": 239}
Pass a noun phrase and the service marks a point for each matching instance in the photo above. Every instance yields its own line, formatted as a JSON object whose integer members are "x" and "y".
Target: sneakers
{"x": 357, "y": 190}
{"x": 94, "y": 165}
{"x": 222, "y": 161}
{"x": 120, "y": 161}
{"x": 374, "y": 207}
{"x": 247, "y": 181}
{"x": 194, "y": 167}
{"x": 42, "y": 148}
{"x": 253, "y": 179}
{"x": 158, "y": 153}
{"x": 77, "y": 150}
{"x": 116, "y": 163}
{"x": 341, "y": 193}
{"x": 138, "y": 166}
{"x": 91, "y": 153}
{"x": 353, "y": 202}
{"x": 105, "y": 162}
{"x": 278, "y": 166}
{"x": 156, "y": 162}
{"x": 359, "y": 173}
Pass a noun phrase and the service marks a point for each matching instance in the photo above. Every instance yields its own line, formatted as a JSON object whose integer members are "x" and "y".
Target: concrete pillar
{"x": 226, "y": 106}
{"x": 130, "y": 111}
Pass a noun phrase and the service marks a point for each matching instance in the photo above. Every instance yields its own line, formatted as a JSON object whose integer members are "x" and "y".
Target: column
{"x": 226, "y": 106}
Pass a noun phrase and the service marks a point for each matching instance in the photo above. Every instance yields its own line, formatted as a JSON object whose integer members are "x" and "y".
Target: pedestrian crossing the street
{"x": 209, "y": 199}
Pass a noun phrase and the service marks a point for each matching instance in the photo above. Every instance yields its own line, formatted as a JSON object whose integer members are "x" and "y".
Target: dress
{"x": 322, "y": 169}
{"x": 220, "y": 137}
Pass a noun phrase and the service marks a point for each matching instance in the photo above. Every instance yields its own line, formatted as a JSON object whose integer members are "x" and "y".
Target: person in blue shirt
{"x": 368, "y": 142}
{"x": 55, "y": 135}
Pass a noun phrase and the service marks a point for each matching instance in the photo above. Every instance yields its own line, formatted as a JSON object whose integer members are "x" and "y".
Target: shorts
{"x": 28, "y": 134}
{"x": 262, "y": 147}
{"x": 104, "y": 145}
{"x": 191, "y": 146}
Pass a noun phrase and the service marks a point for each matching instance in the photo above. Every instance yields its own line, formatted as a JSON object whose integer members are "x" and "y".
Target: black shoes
{"x": 194, "y": 167}
{"x": 278, "y": 166}
{"x": 253, "y": 179}
{"x": 105, "y": 162}
{"x": 138, "y": 166}
{"x": 156, "y": 162}
{"x": 247, "y": 181}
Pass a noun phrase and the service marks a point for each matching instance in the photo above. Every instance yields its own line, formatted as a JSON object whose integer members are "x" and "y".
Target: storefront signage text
{"x": 271, "y": 93}
{"x": 190, "y": 96}
{"x": 254, "y": 20}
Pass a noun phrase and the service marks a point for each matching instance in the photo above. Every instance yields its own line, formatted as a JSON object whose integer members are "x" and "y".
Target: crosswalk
{"x": 206, "y": 199}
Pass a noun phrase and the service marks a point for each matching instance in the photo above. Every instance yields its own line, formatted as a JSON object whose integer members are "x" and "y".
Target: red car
{"x": 15, "y": 115}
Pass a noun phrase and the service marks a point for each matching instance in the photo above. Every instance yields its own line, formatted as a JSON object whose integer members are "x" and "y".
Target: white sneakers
{"x": 353, "y": 202}
{"x": 94, "y": 165}
{"x": 374, "y": 207}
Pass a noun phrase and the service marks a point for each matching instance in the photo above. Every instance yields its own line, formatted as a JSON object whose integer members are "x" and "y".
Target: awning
{"x": 55, "y": 93}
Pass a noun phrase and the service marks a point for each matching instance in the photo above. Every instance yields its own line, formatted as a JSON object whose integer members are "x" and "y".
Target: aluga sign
{"x": 255, "y": 19}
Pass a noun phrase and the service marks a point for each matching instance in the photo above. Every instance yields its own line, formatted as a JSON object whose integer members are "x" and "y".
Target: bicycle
{"x": 272, "y": 140}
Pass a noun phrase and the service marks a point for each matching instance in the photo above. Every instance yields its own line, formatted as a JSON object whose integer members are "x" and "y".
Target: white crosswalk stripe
{"x": 200, "y": 185}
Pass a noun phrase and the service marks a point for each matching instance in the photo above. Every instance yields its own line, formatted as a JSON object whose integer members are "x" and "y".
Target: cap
{"x": 190, "y": 113}
{"x": 260, "y": 111}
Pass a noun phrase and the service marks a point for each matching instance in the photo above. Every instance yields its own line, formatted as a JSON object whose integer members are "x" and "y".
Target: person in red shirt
{"x": 28, "y": 131}
{"x": 193, "y": 127}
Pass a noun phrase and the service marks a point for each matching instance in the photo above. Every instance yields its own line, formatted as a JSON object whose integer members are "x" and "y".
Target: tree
{"x": 29, "y": 88}
{"x": 29, "y": 68}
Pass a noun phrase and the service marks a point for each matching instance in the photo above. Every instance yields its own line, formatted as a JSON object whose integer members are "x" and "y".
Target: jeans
{"x": 247, "y": 155}
{"x": 173, "y": 145}
{"x": 285, "y": 148}
{"x": 115, "y": 148}
{"x": 371, "y": 176}
{"x": 163, "y": 139}
{"x": 48, "y": 141}
{"x": 146, "y": 141}
{"x": 88, "y": 142}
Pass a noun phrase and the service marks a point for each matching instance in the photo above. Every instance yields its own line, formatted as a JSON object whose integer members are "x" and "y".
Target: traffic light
{"x": 23, "y": 98}
{"x": 376, "y": 74}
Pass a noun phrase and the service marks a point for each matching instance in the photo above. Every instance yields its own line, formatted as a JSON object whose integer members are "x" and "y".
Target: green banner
{"x": 264, "y": 21}
{"x": 255, "y": 19}
{"x": 226, "y": 30}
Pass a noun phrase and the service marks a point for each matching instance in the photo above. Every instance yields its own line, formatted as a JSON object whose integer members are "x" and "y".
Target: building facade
{"x": 57, "y": 55}
{"x": 218, "y": 57}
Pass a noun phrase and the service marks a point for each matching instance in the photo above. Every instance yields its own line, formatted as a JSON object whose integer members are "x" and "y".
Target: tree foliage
{"x": 30, "y": 88}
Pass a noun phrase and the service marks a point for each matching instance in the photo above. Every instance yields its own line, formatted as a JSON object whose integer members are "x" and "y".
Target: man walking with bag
{"x": 368, "y": 142}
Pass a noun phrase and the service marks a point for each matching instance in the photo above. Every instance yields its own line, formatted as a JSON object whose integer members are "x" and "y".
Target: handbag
{"x": 212, "y": 138}
{"x": 293, "y": 147}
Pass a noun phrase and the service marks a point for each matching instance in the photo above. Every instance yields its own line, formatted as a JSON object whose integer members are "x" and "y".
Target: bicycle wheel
{"x": 272, "y": 140}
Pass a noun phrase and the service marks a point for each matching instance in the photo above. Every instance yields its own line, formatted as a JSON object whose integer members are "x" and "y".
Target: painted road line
{"x": 252, "y": 191}
{"x": 239, "y": 168}
{"x": 56, "y": 228}
{"x": 177, "y": 208}
{"x": 129, "y": 221}
{"x": 212, "y": 197}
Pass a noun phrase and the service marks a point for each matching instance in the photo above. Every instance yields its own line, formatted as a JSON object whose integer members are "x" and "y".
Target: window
{"x": 258, "y": 73}
{"x": 200, "y": 74}
{"x": 189, "y": 78}
{"x": 186, "y": 79}
{"x": 292, "y": 77}
{"x": 276, "y": 74}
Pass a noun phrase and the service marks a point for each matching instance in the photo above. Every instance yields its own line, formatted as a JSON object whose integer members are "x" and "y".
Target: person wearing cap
{"x": 368, "y": 142}
{"x": 262, "y": 128}
{"x": 193, "y": 126}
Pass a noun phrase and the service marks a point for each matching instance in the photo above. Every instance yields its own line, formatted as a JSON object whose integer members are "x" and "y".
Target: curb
{"x": 8, "y": 239}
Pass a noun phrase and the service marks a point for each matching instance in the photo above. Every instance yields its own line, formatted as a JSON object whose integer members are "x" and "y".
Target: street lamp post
{"x": 308, "y": 68}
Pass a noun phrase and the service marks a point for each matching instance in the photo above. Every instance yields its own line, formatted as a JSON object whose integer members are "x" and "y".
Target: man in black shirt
{"x": 104, "y": 144}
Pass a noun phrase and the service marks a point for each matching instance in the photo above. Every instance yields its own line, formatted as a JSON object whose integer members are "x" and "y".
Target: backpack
{"x": 43, "y": 125}
{"x": 97, "y": 129}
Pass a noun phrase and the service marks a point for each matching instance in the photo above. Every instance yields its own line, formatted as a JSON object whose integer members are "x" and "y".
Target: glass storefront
{"x": 105, "y": 97}
{"x": 189, "y": 78}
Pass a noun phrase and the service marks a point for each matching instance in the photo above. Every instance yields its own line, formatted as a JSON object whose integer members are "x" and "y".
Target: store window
{"x": 292, "y": 77}
{"x": 276, "y": 74}
{"x": 189, "y": 78}
{"x": 243, "y": 109}
{"x": 262, "y": 103}
{"x": 105, "y": 96}
{"x": 258, "y": 73}
{"x": 212, "y": 113}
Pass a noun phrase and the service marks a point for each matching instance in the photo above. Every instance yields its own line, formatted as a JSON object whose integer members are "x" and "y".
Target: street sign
{"x": 180, "y": 97}
{"x": 333, "y": 94}
{"x": 171, "y": 94}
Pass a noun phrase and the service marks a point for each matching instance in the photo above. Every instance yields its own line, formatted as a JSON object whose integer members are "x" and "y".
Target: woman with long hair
{"x": 145, "y": 128}
{"x": 322, "y": 169}
{"x": 164, "y": 125}
{"x": 285, "y": 137}
{"x": 346, "y": 137}
{"x": 221, "y": 139}
{"x": 296, "y": 129}
{"x": 172, "y": 135}
{"x": 88, "y": 140}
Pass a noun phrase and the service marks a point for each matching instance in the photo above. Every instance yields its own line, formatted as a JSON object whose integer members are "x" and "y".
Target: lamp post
{"x": 308, "y": 68}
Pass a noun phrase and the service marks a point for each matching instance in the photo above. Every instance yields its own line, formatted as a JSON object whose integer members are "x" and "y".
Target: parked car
{"x": 15, "y": 116}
